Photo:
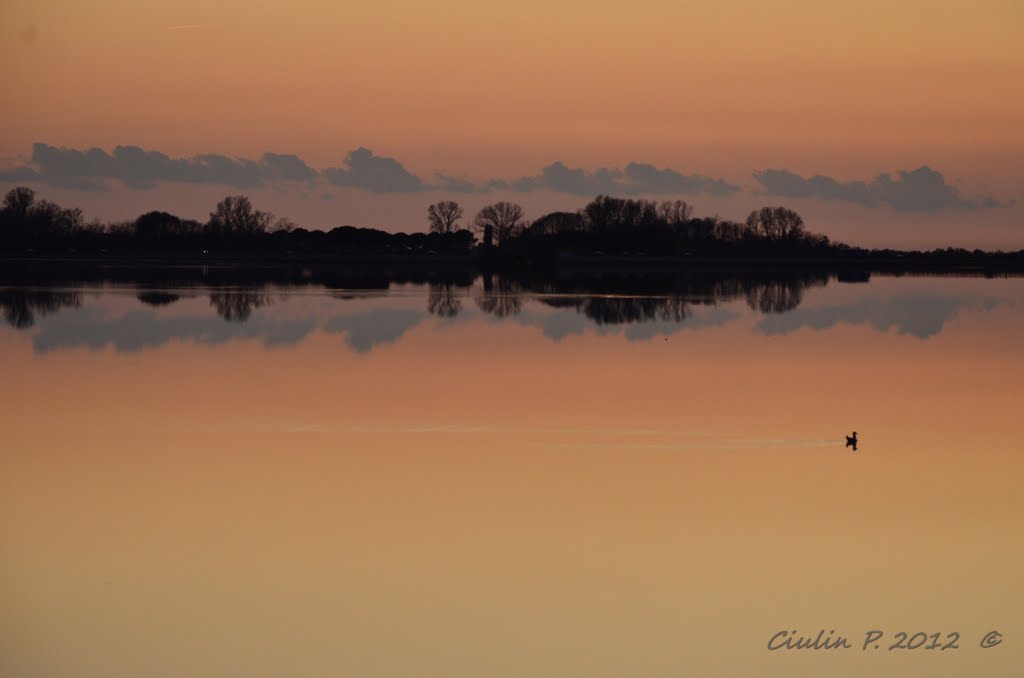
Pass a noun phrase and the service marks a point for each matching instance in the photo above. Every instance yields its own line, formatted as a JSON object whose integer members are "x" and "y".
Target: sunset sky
{"x": 370, "y": 111}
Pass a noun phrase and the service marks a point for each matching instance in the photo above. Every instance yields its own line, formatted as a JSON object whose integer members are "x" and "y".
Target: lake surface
{"x": 452, "y": 480}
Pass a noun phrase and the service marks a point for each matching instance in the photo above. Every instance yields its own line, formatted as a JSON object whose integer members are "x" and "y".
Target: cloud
{"x": 289, "y": 167}
{"x": 455, "y": 184}
{"x": 919, "y": 190}
{"x": 636, "y": 178}
{"x": 375, "y": 173}
{"x": 136, "y": 167}
{"x": 923, "y": 189}
{"x": 562, "y": 179}
{"x": 22, "y": 174}
{"x": 646, "y": 178}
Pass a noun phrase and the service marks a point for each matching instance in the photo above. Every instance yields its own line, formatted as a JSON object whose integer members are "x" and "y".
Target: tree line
{"x": 605, "y": 225}
{"x": 621, "y": 224}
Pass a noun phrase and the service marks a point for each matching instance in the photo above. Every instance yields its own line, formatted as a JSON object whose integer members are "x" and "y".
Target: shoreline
{"x": 847, "y": 265}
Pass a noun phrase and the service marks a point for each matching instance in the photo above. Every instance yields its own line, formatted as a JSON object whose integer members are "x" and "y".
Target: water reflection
{"x": 502, "y": 300}
{"x": 157, "y": 297}
{"x": 640, "y": 308}
{"x": 776, "y": 296}
{"x": 566, "y": 478}
{"x": 363, "y": 331}
{"x": 921, "y": 316}
{"x": 236, "y": 306}
{"x": 443, "y": 300}
{"x": 20, "y": 306}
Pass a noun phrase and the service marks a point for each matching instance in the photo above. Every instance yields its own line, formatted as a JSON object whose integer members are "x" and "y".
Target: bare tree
{"x": 605, "y": 213}
{"x": 676, "y": 212}
{"x": 17, "y": 202}
{"x": 284, "y": 224}
{"x": 776, "y": 223}
{"x": 235, "y": 215}
{"x": 498, "y": 222}
{"x": 443, "y": 215}
{"x": 48, "y": 219}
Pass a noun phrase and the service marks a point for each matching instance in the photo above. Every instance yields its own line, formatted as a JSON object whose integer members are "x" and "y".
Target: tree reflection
{"x": 157, "y": 298}
{"x": 443, "y": 301}
{"x": 618, "y": 310}
{"x": 604, "y": 299}
{"x": 235, "y": 306}
{"x": 651, "y": 300}
{"x": 776, "y": 296}
{"x": 20, "y": 306}
{"x": 503, "y": 300}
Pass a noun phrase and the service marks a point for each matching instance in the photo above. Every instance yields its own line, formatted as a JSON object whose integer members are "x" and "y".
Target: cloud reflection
{"x": 60, "y": 320}
{"x": 920, "y": 316}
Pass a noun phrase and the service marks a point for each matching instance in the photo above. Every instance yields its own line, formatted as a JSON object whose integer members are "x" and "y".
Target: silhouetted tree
{"x": 161, "y": 225}
{"x": 22, "y": 216}
{"x": 605, "y": 213}
{"x": 776, "y": 223}
{"x": 498, "y": 222}
{"x": 556, "y": 223}
{"x": 47, "y": 220}
{"x": 284, "y": 225}
{"x": 630, "y": 227}
{"x": 235, "y": 215}
{"x": 676, "y": 212}
{"x": 443, "y": 216}
{"x": 17, "y": 203}
{"x": 730, "y": 232}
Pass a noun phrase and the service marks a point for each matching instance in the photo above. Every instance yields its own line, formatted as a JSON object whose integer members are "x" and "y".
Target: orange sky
{"x": 483, "y": 90}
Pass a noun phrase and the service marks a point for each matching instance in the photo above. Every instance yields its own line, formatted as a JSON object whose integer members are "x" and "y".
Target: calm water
{"x": 458, "y": 481}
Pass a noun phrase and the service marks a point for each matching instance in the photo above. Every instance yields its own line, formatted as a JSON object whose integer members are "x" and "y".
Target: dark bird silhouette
{"x": 851, "y": 441}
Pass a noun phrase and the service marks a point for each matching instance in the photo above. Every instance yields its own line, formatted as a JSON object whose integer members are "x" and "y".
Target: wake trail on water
{"x": 616, "y": 438}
